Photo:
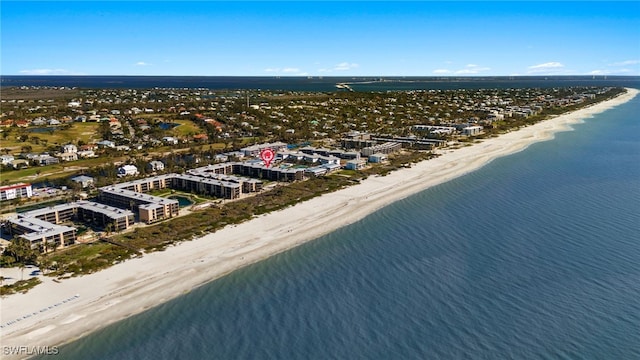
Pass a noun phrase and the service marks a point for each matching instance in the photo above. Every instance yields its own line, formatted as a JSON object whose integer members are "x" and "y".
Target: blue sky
{"x": 320, "y": 38}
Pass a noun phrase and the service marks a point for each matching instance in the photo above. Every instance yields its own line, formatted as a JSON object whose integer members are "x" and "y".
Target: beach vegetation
{"x": 20, "y": 286}
{"x": 84, "y": 258}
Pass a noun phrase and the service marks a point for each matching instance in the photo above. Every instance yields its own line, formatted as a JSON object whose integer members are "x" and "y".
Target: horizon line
{"x": 328, "y": 76}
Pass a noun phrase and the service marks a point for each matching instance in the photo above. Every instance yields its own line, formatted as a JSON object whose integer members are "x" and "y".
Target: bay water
{"x": 534, "y": 256}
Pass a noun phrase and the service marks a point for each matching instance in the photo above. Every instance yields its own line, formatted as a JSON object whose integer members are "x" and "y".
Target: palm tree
{"x": 44, "y": 262}
{"x": 108, "y": 228}
{"x": 21, "y": 250}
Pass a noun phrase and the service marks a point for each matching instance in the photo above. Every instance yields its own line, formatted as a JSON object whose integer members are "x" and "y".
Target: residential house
{"x": 355, "y": 164}
{"x": 19, "y": 164}
{"x": 200, "y": 137}
{"x": 6, "y": 159}
{"x": 68, "y": 156}
{"x": 45, "y": 159}
{"x": 170, "y": 140}
{"x": 88, "y": 147}
{"x": 86, "y": 154}
{"x": 221, "y": 158}
{"x": 69, "y": 148}
{"x": 127, "y": 170}
{"x": 214, "y": 123}
{"x": 377, "y": 158}
{"x": 22, "y": 123}
{"x": 39, "y": 122}
{"x": 155, "y": 165}
{"x": 83, "y": 180}
{"x": 6, "y": 123}
{"x": 106, "y": 144}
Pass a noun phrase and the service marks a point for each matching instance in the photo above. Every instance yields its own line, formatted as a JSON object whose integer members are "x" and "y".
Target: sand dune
{"x": 56, "y": 313}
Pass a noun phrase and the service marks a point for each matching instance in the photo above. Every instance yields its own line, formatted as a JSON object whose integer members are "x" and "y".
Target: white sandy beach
{"x": 54, "y": 313}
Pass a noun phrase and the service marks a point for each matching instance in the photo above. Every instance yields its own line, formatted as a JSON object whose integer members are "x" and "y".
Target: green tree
{"x": 21, "y": 250}
{"x": 44, "y": 262}
{"x": 108, "y": 228}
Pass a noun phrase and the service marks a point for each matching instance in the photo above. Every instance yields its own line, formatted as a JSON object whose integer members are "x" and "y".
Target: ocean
{"x": 534, "y": 256}
{"x": 319, "y": 84}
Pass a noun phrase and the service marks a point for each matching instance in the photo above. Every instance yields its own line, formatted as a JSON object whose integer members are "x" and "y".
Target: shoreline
{"x": 61, "y": 312}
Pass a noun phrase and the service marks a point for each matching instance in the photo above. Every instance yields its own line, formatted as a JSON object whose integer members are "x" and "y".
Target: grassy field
{"x": 52, "y": 172}
{"x": 86, "y": 132}
{"x": 186, "y": 128}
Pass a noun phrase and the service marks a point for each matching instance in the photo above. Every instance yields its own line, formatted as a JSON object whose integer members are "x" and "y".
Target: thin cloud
{"x": 286, "y": 71}
{"x": 343, "y": 66}
{"x": 626, "y": 63}
{"x": 142, "y": 63}
{"x": 610, "y": 72}
{"x": 471, "y": 69}
{"x": 49, "y": 72}
{"x": 549, "y": 65}
{"x": 552, "y": 67}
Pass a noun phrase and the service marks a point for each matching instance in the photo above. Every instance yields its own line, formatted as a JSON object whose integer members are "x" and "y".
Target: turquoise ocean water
{"x": 534, "y": 256}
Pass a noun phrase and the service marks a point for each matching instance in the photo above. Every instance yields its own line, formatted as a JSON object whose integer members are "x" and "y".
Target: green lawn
{"x": 52, "y": 171}
{"x": 186, "y": 128}
{"x": 86, "y": 132}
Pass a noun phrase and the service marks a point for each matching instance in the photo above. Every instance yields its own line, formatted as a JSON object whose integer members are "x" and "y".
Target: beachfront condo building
{"x": 41, "y": 234}
{"x": 42, "y": 226}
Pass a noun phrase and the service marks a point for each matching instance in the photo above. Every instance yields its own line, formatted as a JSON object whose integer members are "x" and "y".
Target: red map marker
{"x": 267, "y": 155}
